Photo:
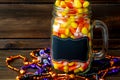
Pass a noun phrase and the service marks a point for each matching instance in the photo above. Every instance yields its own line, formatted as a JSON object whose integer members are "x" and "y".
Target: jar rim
{"x": 60, "y": 8}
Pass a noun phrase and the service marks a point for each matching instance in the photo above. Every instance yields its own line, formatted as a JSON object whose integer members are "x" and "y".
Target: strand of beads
{"x": 11, "y": 58}
{"x": 113, "y": 68}
{"x": 44, "y": 72}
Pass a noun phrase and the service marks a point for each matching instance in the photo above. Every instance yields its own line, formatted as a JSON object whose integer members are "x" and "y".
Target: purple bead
{"x": 33, "y": 65}
{"x": 45, "y": 79}
{"x": 24, "y": 67}
{"x": 115, "y": 59}
{"x": 113, "y": 71}
{"x": 47, "y": 50}
{"x": 39, "y": 71}
{"x": 41, "y": 52}
{"x": 37, "y": 67}
{"x": 36, "y": 73}
{"x": 49, "y": 58}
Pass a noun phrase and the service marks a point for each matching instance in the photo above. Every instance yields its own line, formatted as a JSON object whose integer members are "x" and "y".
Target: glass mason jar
{"x": 71, "y": 39}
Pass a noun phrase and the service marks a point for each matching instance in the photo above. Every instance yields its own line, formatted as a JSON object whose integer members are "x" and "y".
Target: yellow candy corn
{"x": 65, "y": 68}
{"x": 80, "y": 10}
{"x": 76, "y": 70}
{"x": 71, "y": 36}
{"x": 77, "y": 4}
{"x": 89, "y": 35}
{"x": 66, "y": 9}
{"x": 71, "y": 63}
{"x": 63, "y": 13}
{"x": 86, "y": 4}
{"x": 85, "y": 10}
{"x": 57, "y": 3}
{"x": 63, "y": 25}
{"x": 72, "y": 18}
{"x": 67, "y": 32}
{"x": 55, "y": 66}
{"x": 62, "y": 4}
{"x": 81, "y": 69}
{"x": 84, "y": 31}
{"x": 63, "y": 36}
{"x": 74, "y": 25}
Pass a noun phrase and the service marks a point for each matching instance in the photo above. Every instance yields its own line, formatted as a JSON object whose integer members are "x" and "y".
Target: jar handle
{"x": 99, "y": 24}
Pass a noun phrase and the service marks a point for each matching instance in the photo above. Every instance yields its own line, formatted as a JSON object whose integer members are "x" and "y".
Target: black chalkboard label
{"x": 70, "y": 49}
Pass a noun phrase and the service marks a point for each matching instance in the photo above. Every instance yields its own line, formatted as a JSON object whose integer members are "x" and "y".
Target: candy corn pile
{"x": 71, "y": 20}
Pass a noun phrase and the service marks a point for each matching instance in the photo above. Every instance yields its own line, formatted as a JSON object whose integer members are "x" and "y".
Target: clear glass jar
{"x": 71, "y": 39}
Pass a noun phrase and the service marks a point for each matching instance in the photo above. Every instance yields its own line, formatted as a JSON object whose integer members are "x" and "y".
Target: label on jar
{"x": 70, "y": 49}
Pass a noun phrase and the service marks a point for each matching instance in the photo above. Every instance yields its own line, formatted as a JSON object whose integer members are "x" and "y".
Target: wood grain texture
{"x": 25, "y": 25}
{"x": 34, "y": 21}
{"x": 18, "y": 63}
{"x": 25, "y": 21}
{"x": 52, "y": 1}
{"x": 41, "y": 43}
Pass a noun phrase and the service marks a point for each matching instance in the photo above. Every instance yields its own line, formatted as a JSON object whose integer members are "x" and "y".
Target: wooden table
{"x": 26, "y": 26}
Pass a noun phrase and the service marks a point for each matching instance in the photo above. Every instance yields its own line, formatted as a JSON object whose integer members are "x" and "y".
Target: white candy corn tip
{"x": 56, "y": 27}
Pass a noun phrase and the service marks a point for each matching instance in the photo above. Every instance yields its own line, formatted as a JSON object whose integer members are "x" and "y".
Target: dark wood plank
{"x": 24, "y": 43}
{"x": 7, "y": 72}
{"x": 27, "y": 0}
{"x": 52, "y": 1}
{"x": 108, "y": 14}
{"x": 40, "y": 43}
{"x": 25, "y": 21}
{"x": 3, "y": 68}
{"x": 34, "y": 21}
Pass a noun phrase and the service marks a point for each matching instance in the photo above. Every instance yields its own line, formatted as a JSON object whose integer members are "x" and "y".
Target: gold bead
{"x": 18, "y": 78}
{"x": 72, "y": 76}
{"x": 34, "y": 78}
{"x": 22, "y": 71}
{"x": 10, "y": 67}
{"x": 38, "y": 78}
{"x": 8, "y": 59}
{"x": 53, "y": 74}
{"x": 101, "y": 79}
{"x": 26, "y": 63}
{"x": 86, "y": 79}
{"x": 15, "y": 69}
{"x": 111, "y": 62}
{"x": 35, "y": 61}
